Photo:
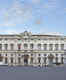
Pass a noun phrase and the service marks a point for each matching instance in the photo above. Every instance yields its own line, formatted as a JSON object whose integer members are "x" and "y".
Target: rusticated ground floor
{"x": 31, "y": 59}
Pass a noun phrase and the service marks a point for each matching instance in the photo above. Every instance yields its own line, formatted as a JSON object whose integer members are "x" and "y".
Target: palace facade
{"x": 27, "y": 49}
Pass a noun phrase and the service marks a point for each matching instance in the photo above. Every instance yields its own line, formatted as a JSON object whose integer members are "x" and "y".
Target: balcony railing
{"x": 31, "y": 50}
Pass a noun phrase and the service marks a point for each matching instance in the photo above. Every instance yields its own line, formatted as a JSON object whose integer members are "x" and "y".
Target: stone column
{"x": 59, "y": 46}
{"x": 22, "y": 61}
{"x": 29, "y": 59}
{"x": 29, "y": 46}
{"x": 35, "y": 59}
{"x": 41, "y": 61}
{"x": 53, "y": 46}
{"x": 3, "y": 47}
{"x": 3, "y": 59}
{"x": 48, "y": 46}
{"x": 42, "y": 47}
{"x": 35, "y": 46}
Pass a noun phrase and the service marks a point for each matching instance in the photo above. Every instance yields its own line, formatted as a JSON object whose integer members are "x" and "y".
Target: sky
{"x": 36, "y": 16}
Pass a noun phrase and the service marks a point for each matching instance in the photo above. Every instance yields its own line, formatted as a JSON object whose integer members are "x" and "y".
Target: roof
{"x": 26, "y": 33}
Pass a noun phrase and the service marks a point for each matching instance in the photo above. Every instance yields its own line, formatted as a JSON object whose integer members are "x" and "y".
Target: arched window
{"x": 1, "y": 58}
{"x": 25, "y": 46}
{"x": 45, "y": 47}
{"x": 12, "y": 46}
{"x": 6, "y": 46}
{"x": 0, "y": 46}
{"x": 50, "y": 47}
{"x": 62, "y": 59}
{"x": 39, "y": 54}
{"x": 62, "y": 46}
{"x": 5, "y": 54}
{"x": 56, "y": 46}
{"x": 56, "y": 58}
{"x": 39, "y": 46}
{"x": 19, "y": 46}
{"x": 50, "y": 57}
{"x": 31, "y": 46}
{"x": 31, "y": 54}
{"x": 45, "y": 59}
{"x": 45, "y": 55}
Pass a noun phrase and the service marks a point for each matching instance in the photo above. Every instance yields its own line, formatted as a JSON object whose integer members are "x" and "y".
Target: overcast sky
{"x": 37, "y": 16}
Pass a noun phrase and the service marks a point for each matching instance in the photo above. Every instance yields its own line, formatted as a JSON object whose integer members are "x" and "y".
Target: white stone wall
{"x": 15, "y": 41}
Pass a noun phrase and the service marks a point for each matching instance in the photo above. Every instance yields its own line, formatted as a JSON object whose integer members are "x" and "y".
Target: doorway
{"x": 26, "y": 60}
{"x": 50, "y": 57}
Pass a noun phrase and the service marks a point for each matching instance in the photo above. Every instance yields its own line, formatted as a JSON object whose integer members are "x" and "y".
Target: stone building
{"x": 27, "y": 49}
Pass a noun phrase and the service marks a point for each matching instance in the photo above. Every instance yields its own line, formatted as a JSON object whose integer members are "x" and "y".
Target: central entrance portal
{"x": 26, "y": 60}
{"x": 1, "y": 59}
{"x": 50, "y": 57}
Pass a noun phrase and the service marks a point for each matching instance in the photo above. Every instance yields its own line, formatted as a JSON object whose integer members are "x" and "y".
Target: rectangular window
{"x": 45, "y": 47}
{"x": 0, "y": 46}
{"x": 6, "y": 46}
{"x": 62, "y": 46}
{"x": 56, "y": 46}
{"x": 11, "y": 60}
{"x": 31, "y": 46}
{"x": 6, "y": 60}
{"x": 25, "y": 46}
{"x": 50, "y": 47}
{"x": 39, "y": 46}
{"x": 12, "y": 46}
{"x": 19, "y": 46}
{"x": 19, "y": 60}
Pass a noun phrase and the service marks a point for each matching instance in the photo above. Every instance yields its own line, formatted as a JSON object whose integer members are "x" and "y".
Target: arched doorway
{"x": 1, "y": 59}
{"x": 26, "y": 60}
{"x": 50, "y": 57}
